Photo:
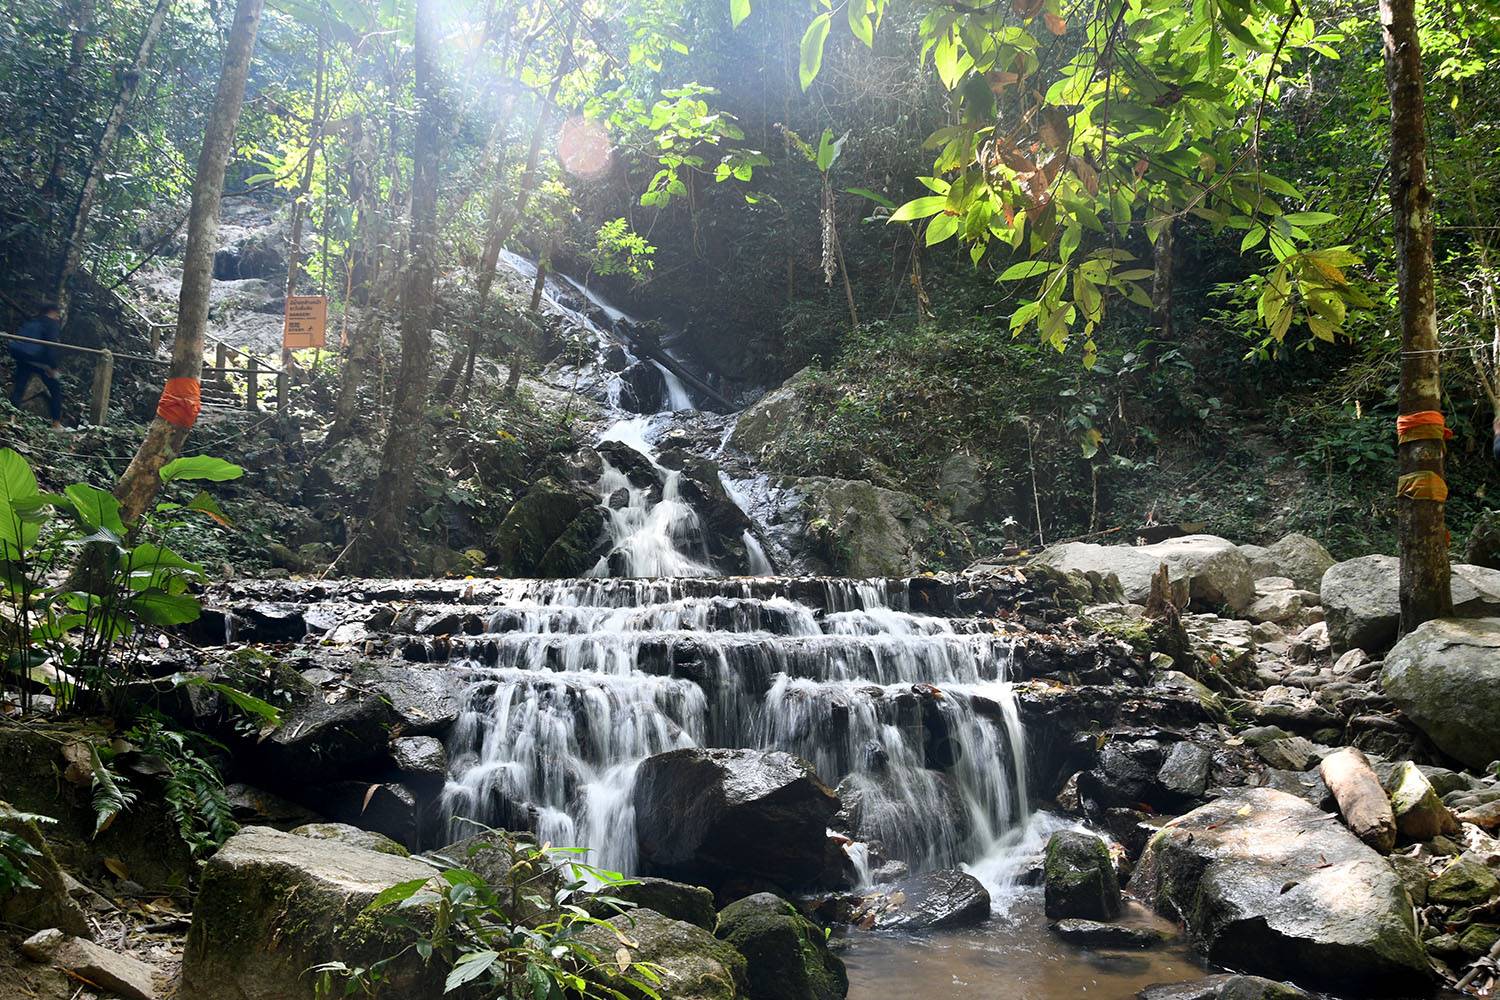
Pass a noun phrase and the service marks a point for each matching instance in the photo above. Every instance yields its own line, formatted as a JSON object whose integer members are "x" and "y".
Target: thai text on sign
{"x": 306, "y": 322}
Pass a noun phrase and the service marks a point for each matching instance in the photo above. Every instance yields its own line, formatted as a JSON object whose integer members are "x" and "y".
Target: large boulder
{"x": 1214, "y": 571}
{"x": 692, "y": 963}
{"x": 45, "y": 903}
{"x": 948, "y": 898}
{"x": 272, "y": 905}
{"x": 1226, "y": 987}
{"x": 1301, "y": 559}
{"x": 691, "y": 903}
{"x": 318, "y": 741}
{"x": 1445, "y": 675}
{"x": 856, "y": 528}
{"x": 1267, "y": 883}
{"x": 1080, "y": 877}
{"x": 787, "y": 955}
{"x": 551, "y": 512}
{"x": 1362, "y": 602}
{"x": 776, "y": 416}
{"x": 706, "y": 816}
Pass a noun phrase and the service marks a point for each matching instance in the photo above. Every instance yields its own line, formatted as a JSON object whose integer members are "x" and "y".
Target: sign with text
{"x": 306, "y": 322}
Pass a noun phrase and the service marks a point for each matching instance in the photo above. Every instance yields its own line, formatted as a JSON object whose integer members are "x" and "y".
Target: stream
{"x": 578, "y": 681}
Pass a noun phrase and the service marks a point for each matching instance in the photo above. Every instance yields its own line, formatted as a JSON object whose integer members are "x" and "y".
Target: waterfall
{"x": 576, "y": 682}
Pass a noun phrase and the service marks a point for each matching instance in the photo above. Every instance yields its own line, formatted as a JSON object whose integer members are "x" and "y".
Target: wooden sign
{"x": 306, "y": 322}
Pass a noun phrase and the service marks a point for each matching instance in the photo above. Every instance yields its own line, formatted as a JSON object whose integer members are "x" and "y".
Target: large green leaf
{"x": 18, "y": 529}
{"x": 813, "y": 41}
{"x": 200, "y": 467}
{"x": 96, "y": 508}
{"x": 157, "y": 607}
{"x": 738, "y": 11}
{"x": 920, "y": 208}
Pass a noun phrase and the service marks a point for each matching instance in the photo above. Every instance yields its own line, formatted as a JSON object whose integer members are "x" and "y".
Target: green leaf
{"x": 157, "y": 607}
{"x": 17, "y": 482}
{"x": 96, "y": 508}
{"x": 940, "y": 228}
{"x": 813, "y": 41}
{"x": 920, "y": 208}
{"x": 859, "y": 22}
{"x": 874, "y": 196}
{"x": 828, "y": 150}
{"x": 397, "y": 893}
{"x": 247, "y": 703}
{"x": 738, "y": 11}
{"x": 468, "y": 968}
{"x": 1309, "y": 219}
{"x": 215, "y": 470}
{"x": 1253, "y": 239}
{"x": 1027, "y": 269}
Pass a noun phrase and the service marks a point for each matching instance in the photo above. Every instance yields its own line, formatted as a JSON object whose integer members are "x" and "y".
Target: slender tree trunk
{"x": 1425, "y": 590}
{"x": 1162, "y": 259}
{"x": 364, "y": 192}
{"x": 499, "y": 231}
{"x": 406, "y": 434}
{"x": 138, "y": 485}
{"x": 72, "y": 253}
{"x": 304, "y": 185}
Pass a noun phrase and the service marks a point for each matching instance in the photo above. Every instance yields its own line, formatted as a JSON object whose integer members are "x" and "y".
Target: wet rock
{"x": 1445, "y": 675}
{"x": 1465, "y": 882}
{"x": 1363, "y": 607}
{"x": 245, "y": 944}
{"x": 856, "y": 528}
{"x": 1080, "y": 877}
{"x": 536, "y": 522}
{"x": 787, "y": 956}
{"x": 1186, "y": 769}
{"x": 423, "y": 702}
{"x": 691, "y": 903}
{"x": 122, "y": 975}
{"x": 706, "y": 815}
{"x": 1217, "y": 574}
{"x": 1225, "y": 988}
{"x": 353, "y": 836}
{"x": 948, "y": 898}
{"x": 693, "y": 964}
{"x": 1267, "y": 883}
{"x": 1095, "y": 934}
{"x": 318, "y": 740}
{"x": 632, "y": 464}
{"x": 1420, "y": 814}
{"x": 46, "y": 903}
{"x": 776, "y": 415}
{"x": 420, "y": 756}
{"x": 646, "y": 388}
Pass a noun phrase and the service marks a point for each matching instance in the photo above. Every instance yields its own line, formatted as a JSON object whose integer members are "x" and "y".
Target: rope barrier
{"x": 84, "y": 350}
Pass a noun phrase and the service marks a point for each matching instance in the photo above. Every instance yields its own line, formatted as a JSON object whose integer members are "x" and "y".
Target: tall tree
{"x": 406, "y": 436}
{"x": 83, "y": 208}
{"x": 1421, "y": 491}
{"x": 178, "y": 409}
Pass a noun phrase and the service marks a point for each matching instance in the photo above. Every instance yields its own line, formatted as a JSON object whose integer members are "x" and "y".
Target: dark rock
{"x": 632, "y": 464}
{"x": 317, "y": 740}
{"x": 647, "y": 389}
{"x": 1483, "y": 548}
{"x": 423, "y": 702}
{"x": 947, "y": 898}
{"x": 787, "y": 956}
{"x": 535, "y": 523}
{"x": 1080, "y": 877}
{"x": 690, "y": 903}
{"x": 385, "y": 807}
{"x": 257, "y": 807}
{"x": 421, "y": 756}
{"x": 1267, "y": 883}
{"x": 1229, "y": 987}
{"x": 1186, "y": 769}
{"x": 705, "y": 815}
{"x": 1100, "y": 935}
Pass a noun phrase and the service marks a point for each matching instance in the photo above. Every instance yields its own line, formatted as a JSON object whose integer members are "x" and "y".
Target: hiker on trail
{"x": 39, "y": 359}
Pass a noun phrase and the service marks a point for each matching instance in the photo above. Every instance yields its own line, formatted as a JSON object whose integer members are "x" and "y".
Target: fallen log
{"x": 1362, "y": 801}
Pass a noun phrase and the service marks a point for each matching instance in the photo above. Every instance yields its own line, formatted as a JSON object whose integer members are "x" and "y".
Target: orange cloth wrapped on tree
{"x": 180, "y": 402}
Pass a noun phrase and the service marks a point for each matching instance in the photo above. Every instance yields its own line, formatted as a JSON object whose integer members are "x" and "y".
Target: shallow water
{"x": 1010, "y": 958}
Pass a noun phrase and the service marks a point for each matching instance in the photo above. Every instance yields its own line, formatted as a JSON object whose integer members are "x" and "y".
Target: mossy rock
{"x": 1465, "y": 882}
{"x": 1080, "y": 877}
{"x": 691, "y": 903}
{"x": 787, "y": 954}
{"x": 535, "y": 523}
{"x": 47, "y": 903}
{"x": 576, "y": 550}
{"x": 367, "y": 840}
{"x": 693, "y": 964}
{"x": 272, "y": 906}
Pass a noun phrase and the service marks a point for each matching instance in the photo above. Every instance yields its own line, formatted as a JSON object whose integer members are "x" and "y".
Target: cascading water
{"x": 577, "y": 682}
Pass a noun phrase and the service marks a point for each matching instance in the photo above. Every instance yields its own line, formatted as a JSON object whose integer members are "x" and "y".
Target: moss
{"x": 787, "y": 954}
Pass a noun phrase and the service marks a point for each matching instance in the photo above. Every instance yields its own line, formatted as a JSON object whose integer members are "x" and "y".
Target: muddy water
{"x": 1013, "y": 957}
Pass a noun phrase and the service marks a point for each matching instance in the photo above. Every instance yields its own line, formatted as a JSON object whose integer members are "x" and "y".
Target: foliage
{"x": 83, "y": 636}
{"x": 193, "y": 789}
{"x": 619, "y": 249}
{"x": 16, "y": 852}
{"x": 520, "y": 936}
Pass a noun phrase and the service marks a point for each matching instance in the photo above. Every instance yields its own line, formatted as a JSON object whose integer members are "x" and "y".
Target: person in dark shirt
{"x": 39, "y": 359}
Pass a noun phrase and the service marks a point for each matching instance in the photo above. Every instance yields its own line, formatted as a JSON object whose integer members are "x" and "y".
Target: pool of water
{"x": 1012, "y": 957}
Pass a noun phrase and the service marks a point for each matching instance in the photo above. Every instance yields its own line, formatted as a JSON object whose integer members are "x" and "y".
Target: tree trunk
{"x": 1425, "y": 590}
{"x": 138, "y": 485}
{"x": 73, "y": 249}
{"x": 364, "y": 192}
{"x": 304, "y": 185}
{"x": 406, "y": 434}
{"x": 499, "y": 231}
{"x": 70, "y": 91}
{"x": 1162, "y": 258}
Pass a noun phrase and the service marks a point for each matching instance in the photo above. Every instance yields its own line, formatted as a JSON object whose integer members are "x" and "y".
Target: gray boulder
{"x": 692, "y": 963}
{"x": 1229, "y": 987}
{"x": 787, "y": 956}
{"x": 247, "y": 943}
{"x": 707, "y": 816}
{"x": 776, "y": 415}
{"x": 1215, "y": 572}
{"x": 1267, "y": 883}
{"x": 1445, "y": 675}
{"x": 353, "y": 836}
{"x": 855, "y": 528}
{"x": 1080, "y": 877}
{"x": 1299, "y": 558}
{"x": 1362, "y": 604}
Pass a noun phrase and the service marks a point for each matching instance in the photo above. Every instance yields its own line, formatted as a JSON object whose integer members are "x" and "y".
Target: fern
{"x": 112, "y": 794}
{"x": 195, "y": 795}
{"x": 16, "y": 852}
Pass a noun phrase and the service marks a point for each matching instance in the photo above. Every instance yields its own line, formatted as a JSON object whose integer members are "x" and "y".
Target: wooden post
{"x": 281, "y": 391}
{"x": 221, "y": 360}
{"x": 252, "y": 371}
{"x": 155, "y": 339}
{"x": 104, "y": 376}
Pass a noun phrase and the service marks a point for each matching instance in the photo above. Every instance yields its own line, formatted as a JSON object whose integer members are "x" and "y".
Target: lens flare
{"x": 583, "y": 146}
